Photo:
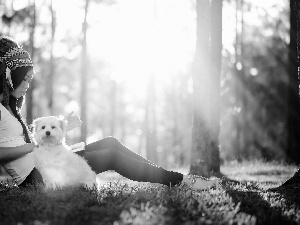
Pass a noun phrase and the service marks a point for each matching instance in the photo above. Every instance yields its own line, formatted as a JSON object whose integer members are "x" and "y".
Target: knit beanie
{"x": 14, "y": 62}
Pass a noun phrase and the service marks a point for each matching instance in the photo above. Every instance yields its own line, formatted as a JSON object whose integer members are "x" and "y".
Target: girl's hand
{"x": 73, "y": 121}
{"x": 34, "y": 145}
{"x": 77, "y": 147}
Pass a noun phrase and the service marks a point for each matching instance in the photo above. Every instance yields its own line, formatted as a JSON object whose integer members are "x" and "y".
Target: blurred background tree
{"x": 255, "y": 83}
{"x": 138, "y": 77}
{"x": 84, "y": 76}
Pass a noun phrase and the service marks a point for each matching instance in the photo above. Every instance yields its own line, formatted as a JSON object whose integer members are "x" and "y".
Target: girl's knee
{"x": 112, "y": 141}
{"x": 105, "y": 143}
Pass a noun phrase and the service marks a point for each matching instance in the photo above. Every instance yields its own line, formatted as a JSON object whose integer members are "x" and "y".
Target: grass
{"x": 248, "y": 196}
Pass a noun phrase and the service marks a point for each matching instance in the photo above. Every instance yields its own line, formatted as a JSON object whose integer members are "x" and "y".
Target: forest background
{"x": 135, "y": 58}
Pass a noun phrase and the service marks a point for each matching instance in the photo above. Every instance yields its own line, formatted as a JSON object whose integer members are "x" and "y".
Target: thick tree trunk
{"x": 293, "y": 180}
{"x": 293, "y": 146}
{"x": 205, "y": 130}
{"x": 293, "y": 120}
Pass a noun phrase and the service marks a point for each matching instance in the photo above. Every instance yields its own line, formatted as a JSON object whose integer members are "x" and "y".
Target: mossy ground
{"x": 249, "y": 195}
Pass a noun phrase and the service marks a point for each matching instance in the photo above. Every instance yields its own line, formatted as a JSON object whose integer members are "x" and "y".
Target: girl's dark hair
{"x": 15, "y": 105}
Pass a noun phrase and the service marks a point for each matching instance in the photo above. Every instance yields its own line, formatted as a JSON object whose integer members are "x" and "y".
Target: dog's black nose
{"x": 47, "y": 133}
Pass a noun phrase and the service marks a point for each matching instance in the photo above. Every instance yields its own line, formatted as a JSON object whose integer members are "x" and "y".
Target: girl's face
{"x": 22, "y": 88}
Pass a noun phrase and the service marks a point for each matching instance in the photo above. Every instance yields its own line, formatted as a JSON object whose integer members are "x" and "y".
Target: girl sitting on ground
{"x": 16, "y": 144}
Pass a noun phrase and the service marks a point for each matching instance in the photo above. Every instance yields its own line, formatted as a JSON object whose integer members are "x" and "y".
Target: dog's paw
{"x": 73, "y": 121}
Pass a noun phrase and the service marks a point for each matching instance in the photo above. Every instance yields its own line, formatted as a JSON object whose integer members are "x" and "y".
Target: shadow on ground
{"x": 266, "y": 205}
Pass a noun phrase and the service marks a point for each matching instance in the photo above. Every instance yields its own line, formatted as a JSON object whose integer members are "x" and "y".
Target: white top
{"x": 11, "y": 135}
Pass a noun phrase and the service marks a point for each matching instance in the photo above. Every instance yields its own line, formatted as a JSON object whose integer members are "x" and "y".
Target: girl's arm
{"x": 12, "y": 153}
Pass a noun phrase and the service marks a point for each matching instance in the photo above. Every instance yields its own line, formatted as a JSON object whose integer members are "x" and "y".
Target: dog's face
{"x": 49, "y": 131}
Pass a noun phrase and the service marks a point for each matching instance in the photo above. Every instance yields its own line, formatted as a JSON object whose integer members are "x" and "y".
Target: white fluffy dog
{"x": 58, "y": 165}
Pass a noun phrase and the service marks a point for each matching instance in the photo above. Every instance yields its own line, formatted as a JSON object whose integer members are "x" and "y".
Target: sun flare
{"x": 136, "y": 43}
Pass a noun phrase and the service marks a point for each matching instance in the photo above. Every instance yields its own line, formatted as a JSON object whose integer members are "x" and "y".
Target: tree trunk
{"x": 239, "y": 84}
{"x": 113, "y": 104}
{"x": 176, "y": 142}
{"x": 84, "y": 77}
{"x": 215, "y": 73}
{"x": 205, "y": 130}
{"x": 29, "y": 97}
{"x": 293, "y": 180}
{"x": 52, "y": 63}
{"x": 151, "y": 122}
{"x": 293, "y": 145}
{"x": 293, "y": 120}
{"x": 294, "y": 126}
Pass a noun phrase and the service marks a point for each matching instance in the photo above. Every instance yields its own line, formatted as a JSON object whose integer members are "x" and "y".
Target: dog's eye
{"x": 53, "y": 127}
{"x": 43, "y": 127}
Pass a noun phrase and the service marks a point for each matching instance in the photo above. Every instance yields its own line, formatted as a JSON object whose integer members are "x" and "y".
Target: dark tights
{"x": 110, "y": 154}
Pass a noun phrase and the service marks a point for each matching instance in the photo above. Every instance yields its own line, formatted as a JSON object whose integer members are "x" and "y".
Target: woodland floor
{"x": 249, "y": 196}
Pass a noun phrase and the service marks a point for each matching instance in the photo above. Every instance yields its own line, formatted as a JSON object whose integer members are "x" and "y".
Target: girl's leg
{"x": 33, "y": 178}
{"x": 110, "y": 154}
{"x": 113, "y": 143}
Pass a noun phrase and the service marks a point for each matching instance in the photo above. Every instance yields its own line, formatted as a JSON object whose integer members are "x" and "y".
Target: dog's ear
{"x": 63, "y": 123}
{"x": 35, "y": 123}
